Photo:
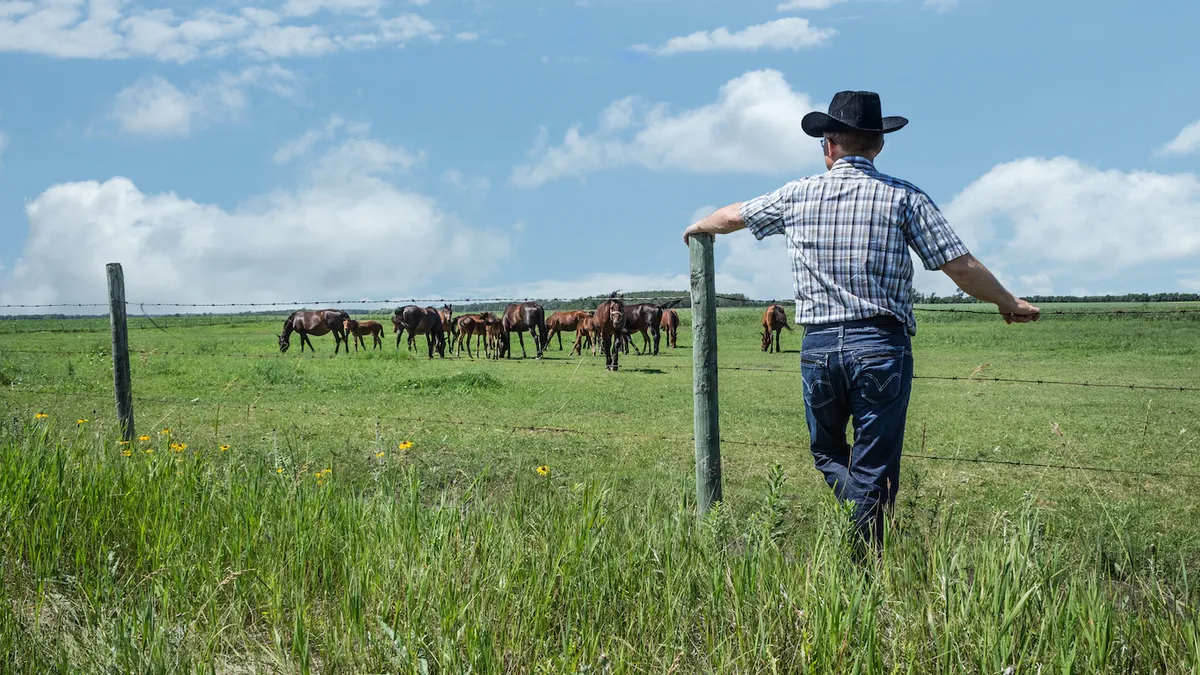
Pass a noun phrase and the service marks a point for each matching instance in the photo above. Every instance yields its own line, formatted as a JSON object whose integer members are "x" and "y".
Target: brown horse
{"x": 317, "y": 323}
{"x": 670, "y": 325}
{"x": 357, "y": 329}
{"x": 773, "y": 321}
{"x": 447, "y": 314}
{"x": 562, "y": 322}
{"x": 497, "y": 339}
{"x": 607, "y": 325}
{"x": 469, "y": 326}
{"x": 584, "y": 336}
{"x": 526, "y": 316}
{"x": 420, "y": 321}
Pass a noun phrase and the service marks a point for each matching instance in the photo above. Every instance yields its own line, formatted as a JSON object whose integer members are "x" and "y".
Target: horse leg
{"x": 306, "y": 338}
{"x": 559, "y": 340}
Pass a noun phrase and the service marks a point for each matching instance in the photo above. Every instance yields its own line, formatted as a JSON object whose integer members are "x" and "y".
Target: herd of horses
{"x": 609, "y": 329}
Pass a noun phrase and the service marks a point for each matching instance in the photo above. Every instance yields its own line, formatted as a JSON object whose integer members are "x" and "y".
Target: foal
{"x": 357, "y": 329}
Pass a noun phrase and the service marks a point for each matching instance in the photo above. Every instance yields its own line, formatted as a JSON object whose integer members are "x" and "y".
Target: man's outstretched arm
{"x": 978, "y": 282}
{"x": 722, "y": 221}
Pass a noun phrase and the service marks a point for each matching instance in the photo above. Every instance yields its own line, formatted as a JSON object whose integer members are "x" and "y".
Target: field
{"x": 293, "y": 533}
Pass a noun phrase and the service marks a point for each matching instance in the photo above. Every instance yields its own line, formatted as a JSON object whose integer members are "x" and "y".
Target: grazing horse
{"x": 607, "y": 325}
{"x": 562, "y": 322}
{"x": 420, "y": 321}
{"x": 527, "y": 316}
{"x": 317, "y": 323}
{"x": 774, "y": 320}
{"x": 357, "y": 329}
{"x": 670, "y": 325}
{"x": 584, "y": 336}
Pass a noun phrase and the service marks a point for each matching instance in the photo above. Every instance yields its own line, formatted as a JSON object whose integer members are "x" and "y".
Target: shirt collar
{"x": 861, "y": 163}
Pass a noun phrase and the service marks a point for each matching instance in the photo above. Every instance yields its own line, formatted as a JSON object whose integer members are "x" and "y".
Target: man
{"x": 848, "y": 231}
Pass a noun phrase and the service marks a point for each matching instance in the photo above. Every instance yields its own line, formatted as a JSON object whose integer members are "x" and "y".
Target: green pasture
{"x": 454, "y": 555}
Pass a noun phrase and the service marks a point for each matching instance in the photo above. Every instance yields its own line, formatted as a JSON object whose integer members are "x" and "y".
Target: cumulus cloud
{"x": 753, "y": 127}
{"x": 303, "y": 144}
{"x": 115, "y": 29}
{"x": 1187, "y": 142}
{"x": 332, "y": 235}
{"x": 153, "y": 107}
{"x": 791, "y": 33}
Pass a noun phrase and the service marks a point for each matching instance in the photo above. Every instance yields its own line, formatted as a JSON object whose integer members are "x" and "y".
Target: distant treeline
{"x": 681, "y": 300}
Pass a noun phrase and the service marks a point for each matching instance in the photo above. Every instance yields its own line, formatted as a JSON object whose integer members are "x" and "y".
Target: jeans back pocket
{"x": 882, "y": 374}
{"x": 818, "y": 385}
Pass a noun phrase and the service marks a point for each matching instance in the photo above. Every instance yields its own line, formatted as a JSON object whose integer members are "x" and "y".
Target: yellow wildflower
{"x": 165, "y": 431}
{"x": 149, "y": 451}
{"x": 224, "y": 448}
{"x": 127, "y": 453}
{"x": 122, "y": 442}
{"x": 81, "y": 421}
{"x": 543, "y": 470}
{"x": 380, "y": 454}
{"x": 279, "y": 470}
{"x": 406, "y": 445}
{"x": 40, "y": 416}
{"x": 143, "y": 438}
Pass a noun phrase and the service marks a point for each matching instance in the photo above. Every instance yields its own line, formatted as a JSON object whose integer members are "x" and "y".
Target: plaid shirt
{"x": 848, "y": 230}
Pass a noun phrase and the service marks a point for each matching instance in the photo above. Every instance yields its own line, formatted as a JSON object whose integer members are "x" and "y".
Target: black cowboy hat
{"x": 852, "y": 111}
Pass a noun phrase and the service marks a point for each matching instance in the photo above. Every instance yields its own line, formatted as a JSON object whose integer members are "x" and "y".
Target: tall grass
{"x": 218, "y": 561}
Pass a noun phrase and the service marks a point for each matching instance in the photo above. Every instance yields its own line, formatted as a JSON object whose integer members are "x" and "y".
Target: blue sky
{"x": 321, "y": 149}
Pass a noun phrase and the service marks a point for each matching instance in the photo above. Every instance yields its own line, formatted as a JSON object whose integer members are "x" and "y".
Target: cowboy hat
{"x": 851, "y": 111}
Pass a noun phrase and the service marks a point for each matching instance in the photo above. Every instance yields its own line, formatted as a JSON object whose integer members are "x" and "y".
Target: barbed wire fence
{"x": 144, "y": 319}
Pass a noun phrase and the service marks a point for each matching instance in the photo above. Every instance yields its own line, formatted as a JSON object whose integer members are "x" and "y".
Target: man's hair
{"x": 856, "y": 142}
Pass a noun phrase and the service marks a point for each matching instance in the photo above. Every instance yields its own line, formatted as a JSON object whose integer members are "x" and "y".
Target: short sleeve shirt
{"x": 848, "y": 232}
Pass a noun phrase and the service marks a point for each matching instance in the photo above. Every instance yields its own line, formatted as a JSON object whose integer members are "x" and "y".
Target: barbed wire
{"x": 640, "y": 436}
{"x": 104, "y": 352}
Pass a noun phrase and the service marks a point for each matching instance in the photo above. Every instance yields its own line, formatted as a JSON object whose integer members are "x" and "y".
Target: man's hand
{"x": 1020, "y": 312}
{"x": 722, "y": 221}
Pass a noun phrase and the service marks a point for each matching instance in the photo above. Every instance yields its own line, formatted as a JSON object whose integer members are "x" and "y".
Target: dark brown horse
{"x": 773, "y": 321}
{"x": 420, "y": 321}
{"x": 448, "y": 327}
{"x": 670, "y": 325}
{"x": 562, "y": 322}
{"x": 317, "y": 323}
{"x": 607, "y": 325}
{"x": 584, "y": 336}
{"x": 526, "y": 316}
{"x": 644, "y": 317}
{"x": 357, "y": 329}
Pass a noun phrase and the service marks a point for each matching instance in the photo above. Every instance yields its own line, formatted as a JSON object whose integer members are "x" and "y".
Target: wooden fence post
{"x": 120, "y": 349}
{"x": 704, "y": 372}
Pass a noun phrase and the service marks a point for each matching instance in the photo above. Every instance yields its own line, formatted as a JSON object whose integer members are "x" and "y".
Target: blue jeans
{"x": 860, "y": 370}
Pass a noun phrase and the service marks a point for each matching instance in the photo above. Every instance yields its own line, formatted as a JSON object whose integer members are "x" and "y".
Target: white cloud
{"x": 303, "y": 144}
{"x": 1062, "y": 211}
{"x": 807, "y": 4}
{"x": 941, "y": 5}
{"x": 116, "y": 29}
{"x": 475, "y": 187}
{"x": 1187, "y": 142}
{"x": 467, "y": 36}
{"x": 310, "y": 241}
{"x": 753, "y": 127}
{"x": 310, "y": 7}
{"x": 154, "y": 107}
{"x": 791, "y": 33}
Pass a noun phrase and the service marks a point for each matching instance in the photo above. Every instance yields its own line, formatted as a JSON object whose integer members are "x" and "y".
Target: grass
{"x": 455, "y": 556}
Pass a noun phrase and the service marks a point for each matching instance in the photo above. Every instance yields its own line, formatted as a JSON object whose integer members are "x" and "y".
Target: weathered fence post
{"x": 120, "y": 349}
{"x": 704, "y": 372}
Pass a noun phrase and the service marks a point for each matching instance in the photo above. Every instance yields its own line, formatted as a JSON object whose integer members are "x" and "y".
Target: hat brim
{"x": 817, "y": 124}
